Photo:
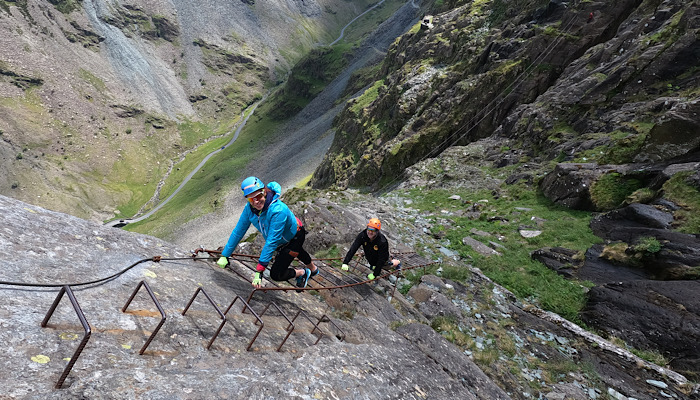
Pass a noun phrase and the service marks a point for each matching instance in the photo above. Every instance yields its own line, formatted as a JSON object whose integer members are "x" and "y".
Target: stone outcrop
{"x": 562, "y": 261}
{"x": 571, "y": 184}
{"x": 603, "y": 82}
{"x": 678, "y": 255}
{"x": 643, "y": 295}
{"x": 646, "y": 314}
{"x": 47, "y": 248}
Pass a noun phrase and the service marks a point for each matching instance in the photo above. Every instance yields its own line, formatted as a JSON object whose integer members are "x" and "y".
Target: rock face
{"x": 604, "y": 82}
{"x": 571, "y": 184}
{"x": 678, "y": 255}
{"x": 557, "y": 259}
{"x": 501, "y": 352}
{"x": 646, "y": 314}
{"x": 44, "y": 247}
{"x": 646, "y": 297}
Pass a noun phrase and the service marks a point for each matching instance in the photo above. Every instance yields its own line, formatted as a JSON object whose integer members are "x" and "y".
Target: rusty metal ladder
{"x": 332, "y": 279}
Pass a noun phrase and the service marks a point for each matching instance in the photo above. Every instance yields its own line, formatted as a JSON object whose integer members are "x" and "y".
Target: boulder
{"x": 651, "y": 315}
{"x": 568, "y": 185}
{"x": 558, "y": 259}
{"x": 679, "y": 254}
{"x": 479, "y": 247}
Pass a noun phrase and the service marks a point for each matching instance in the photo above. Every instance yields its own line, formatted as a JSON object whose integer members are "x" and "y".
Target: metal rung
{"x": 160, "y": 309}
{"x": 289, "y": 328}
{"x": 325, "y": 318}
{"x": 223, "y": 317}
{"x": 83, "y": 321}
{"x": 246, "y": 306}
{"x": 303, "y": 314}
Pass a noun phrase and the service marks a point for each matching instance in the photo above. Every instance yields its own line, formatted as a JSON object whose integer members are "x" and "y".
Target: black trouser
{"x": 377, "y": 271}
{"x": 280, "y": 270}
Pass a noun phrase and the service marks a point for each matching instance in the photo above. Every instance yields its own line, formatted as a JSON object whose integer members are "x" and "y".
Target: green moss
{"x": 600, "y": 77}
{"x": 360, "y": 79}
{"x": 610, "y": 190}
{"x": 507, "y": 67}
{"x": 367, "y": 97}
{"x": 553, "y": 30}
{"x": 670, "y": 33}
{"x": 678, "y": 190}
{"x": 648, "y": 245}
{"x": 651, "y": 356}
{"x": 643, "y": 195}
{"x": 395, "y": 149}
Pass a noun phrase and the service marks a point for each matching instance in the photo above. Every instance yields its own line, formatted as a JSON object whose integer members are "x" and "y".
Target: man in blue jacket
{"x": 283, "y": 232}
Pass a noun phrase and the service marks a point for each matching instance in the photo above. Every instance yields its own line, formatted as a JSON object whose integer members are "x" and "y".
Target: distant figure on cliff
{"x": 376, "y": 249}
{"x": 283, "y": 233}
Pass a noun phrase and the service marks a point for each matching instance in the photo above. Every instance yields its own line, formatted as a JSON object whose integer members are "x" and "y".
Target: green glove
{"x": 370, "y": 277}
{"x": 223, "y": 261}
{"x": 257, "y": 279}
{"x": 345, "y": 267}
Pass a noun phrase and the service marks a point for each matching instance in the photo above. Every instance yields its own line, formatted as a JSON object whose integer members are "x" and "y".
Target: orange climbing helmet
{"x": 374, "y": 223}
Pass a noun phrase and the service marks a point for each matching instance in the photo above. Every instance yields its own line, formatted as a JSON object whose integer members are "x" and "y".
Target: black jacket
{"x": 376, "y": 251}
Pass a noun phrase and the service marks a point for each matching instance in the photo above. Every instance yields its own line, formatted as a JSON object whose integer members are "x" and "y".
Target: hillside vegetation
{"x": 100, "y": 101}
{"x": 598, "y": 82}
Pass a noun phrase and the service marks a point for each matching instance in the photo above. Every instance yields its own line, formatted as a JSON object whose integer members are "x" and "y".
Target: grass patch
{"x": 96, "y": 82}
{"x": 192, "y": 133}
{"x": 610, "y": 190}
{"x": 331, "y": 252}
{"x": 459, "y": 274}
{"x": 186, "y": 166}
{"x": 305, "y": 181}
{"x": 135, "y": 178}
{"x": 367, "y": 97}
{"x": 624, "y": 150}
{"x": 413, "y": 277}
{"x": 678, "y": 190}
{"x": 307, "y": 79}
{"x": 647, "y": 355}
{"x": 368, "y": 22}
{"x": 515, "y": 270}
{"x": 448, "y": 328}
{"x": 205, "y": 190}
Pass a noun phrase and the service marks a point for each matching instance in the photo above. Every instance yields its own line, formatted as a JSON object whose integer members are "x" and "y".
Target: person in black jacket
{"x": 376, "y": 249}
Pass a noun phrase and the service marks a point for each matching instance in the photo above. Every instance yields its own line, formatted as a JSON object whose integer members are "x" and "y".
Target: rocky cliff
{"x": 375, "y": 347}
{"x": 593, "y": 103}
{"x": 581, "y": 81}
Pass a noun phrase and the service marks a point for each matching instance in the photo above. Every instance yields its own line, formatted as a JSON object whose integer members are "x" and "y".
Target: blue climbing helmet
{"x": 251, "y": 184}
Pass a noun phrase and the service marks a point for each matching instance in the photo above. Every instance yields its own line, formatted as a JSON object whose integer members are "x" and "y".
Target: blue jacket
{"x": 276, "y": 222}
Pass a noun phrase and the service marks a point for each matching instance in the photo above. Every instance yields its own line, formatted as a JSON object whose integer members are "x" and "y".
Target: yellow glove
{"x": 370, "y": 277}
{"x": 257, "y": 279}
{"x": 345, "y": 267}
{"x": 223, "y": 261}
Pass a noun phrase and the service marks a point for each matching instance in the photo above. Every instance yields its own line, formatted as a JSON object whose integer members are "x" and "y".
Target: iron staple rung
{"x": 83, "y": 321}
{"x": 329, "y": 273}
{"x": 410, "y": 260}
